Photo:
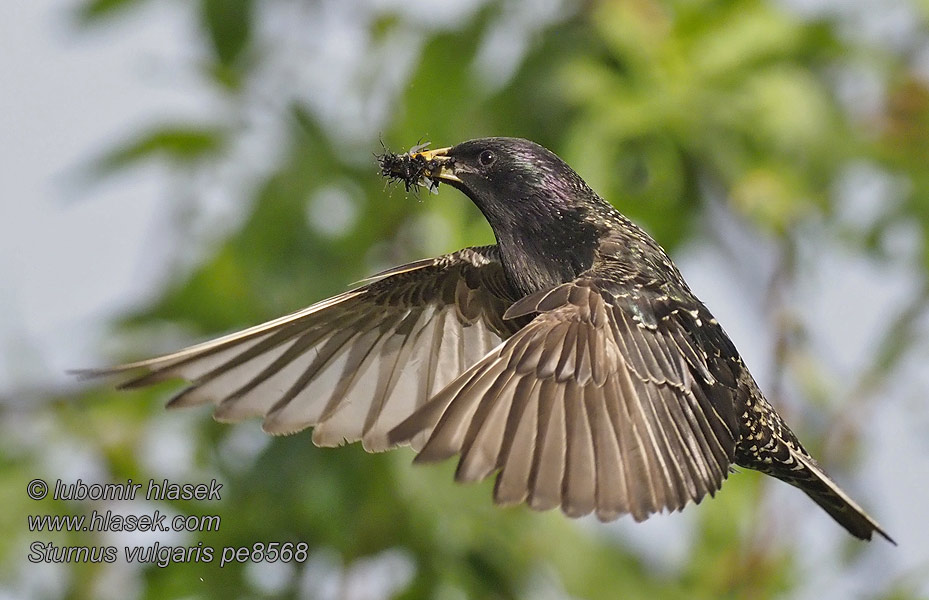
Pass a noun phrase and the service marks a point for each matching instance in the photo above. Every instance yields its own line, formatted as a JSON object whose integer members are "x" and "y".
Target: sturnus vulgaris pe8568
{"x": 570, "y": 357}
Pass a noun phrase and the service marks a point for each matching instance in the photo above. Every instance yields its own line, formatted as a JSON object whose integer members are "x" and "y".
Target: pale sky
{"x": 71, "y": 255}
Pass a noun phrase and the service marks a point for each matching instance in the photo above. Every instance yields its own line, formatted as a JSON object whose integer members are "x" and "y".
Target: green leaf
{"x": 228, "y": 24}
{"x": 93, "y": 11}
{"x": 181, "y": 144}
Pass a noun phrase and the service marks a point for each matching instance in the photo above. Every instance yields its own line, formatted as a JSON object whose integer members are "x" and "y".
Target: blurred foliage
{"x": 661, "y": 106}
{"x": 179, "y": 144}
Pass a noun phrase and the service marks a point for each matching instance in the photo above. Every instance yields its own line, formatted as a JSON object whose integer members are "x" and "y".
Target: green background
{"x": 683, "y": 114}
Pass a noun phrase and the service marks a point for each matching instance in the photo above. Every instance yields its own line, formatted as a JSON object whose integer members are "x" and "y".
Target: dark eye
{"x": 486, "y": 158}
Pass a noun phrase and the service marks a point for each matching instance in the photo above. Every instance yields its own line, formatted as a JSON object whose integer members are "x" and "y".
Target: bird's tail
{"x": 818, "y": 486}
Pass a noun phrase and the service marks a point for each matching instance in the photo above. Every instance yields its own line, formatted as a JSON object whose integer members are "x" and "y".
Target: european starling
{"x": 570, "y": 357}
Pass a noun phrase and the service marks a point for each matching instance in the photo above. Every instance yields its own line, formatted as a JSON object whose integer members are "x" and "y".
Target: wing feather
{"x": 480, "y": 455}
{"x": 599, "y": 404}
{"x": 512, "y": 485}
{"x": 579, "y": 488}
{"x": 612, "y": 489}
{"x": 355, "y": 365}
{"x": 549, "y": 460}
{"x": 449, "y": 433}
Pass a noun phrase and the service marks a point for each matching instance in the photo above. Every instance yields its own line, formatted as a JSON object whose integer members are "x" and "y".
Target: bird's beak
{"x": 444, "y": 169}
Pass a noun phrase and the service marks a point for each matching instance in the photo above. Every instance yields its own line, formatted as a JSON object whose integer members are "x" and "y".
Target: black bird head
{"x": 547, "y": 220}
{"x": 510, "y": 176}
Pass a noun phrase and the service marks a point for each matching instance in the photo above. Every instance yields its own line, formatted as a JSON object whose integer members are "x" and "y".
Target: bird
{"x": 570, "y": 358}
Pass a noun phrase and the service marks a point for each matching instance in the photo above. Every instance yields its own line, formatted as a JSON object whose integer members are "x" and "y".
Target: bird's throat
{"x": 544, "y": 257}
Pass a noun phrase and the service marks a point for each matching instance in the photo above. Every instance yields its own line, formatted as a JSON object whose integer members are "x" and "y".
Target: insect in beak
{"x": 419, "y": 167}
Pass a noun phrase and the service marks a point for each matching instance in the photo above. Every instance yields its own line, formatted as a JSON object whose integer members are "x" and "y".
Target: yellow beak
{"x": 439, "y": 163}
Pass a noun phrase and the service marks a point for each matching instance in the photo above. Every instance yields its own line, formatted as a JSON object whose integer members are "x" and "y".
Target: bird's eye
{"x": 486, "y": 158}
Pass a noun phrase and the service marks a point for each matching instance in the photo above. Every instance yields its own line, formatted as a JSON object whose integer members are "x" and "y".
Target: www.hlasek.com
{"x": 156, "y": 521}
{"x": 107, "y": 521}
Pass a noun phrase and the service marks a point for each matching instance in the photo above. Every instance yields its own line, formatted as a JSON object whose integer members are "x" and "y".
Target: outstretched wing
{"x": 355, "y": 365}
{"x": 605, "y": 402}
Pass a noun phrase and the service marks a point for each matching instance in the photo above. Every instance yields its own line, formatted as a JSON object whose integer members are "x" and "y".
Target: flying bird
{"x": 570, "y": 358}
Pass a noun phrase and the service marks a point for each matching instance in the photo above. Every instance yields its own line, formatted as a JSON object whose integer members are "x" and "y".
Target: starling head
{"x": 509, "y": 176}
{"x": 546, "y": 219}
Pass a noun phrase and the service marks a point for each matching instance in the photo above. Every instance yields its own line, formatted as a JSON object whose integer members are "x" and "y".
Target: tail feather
{"x": 818, "y": 486}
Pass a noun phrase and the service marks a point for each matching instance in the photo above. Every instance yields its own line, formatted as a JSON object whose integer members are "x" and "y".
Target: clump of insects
{"x": 411, "y": 167}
